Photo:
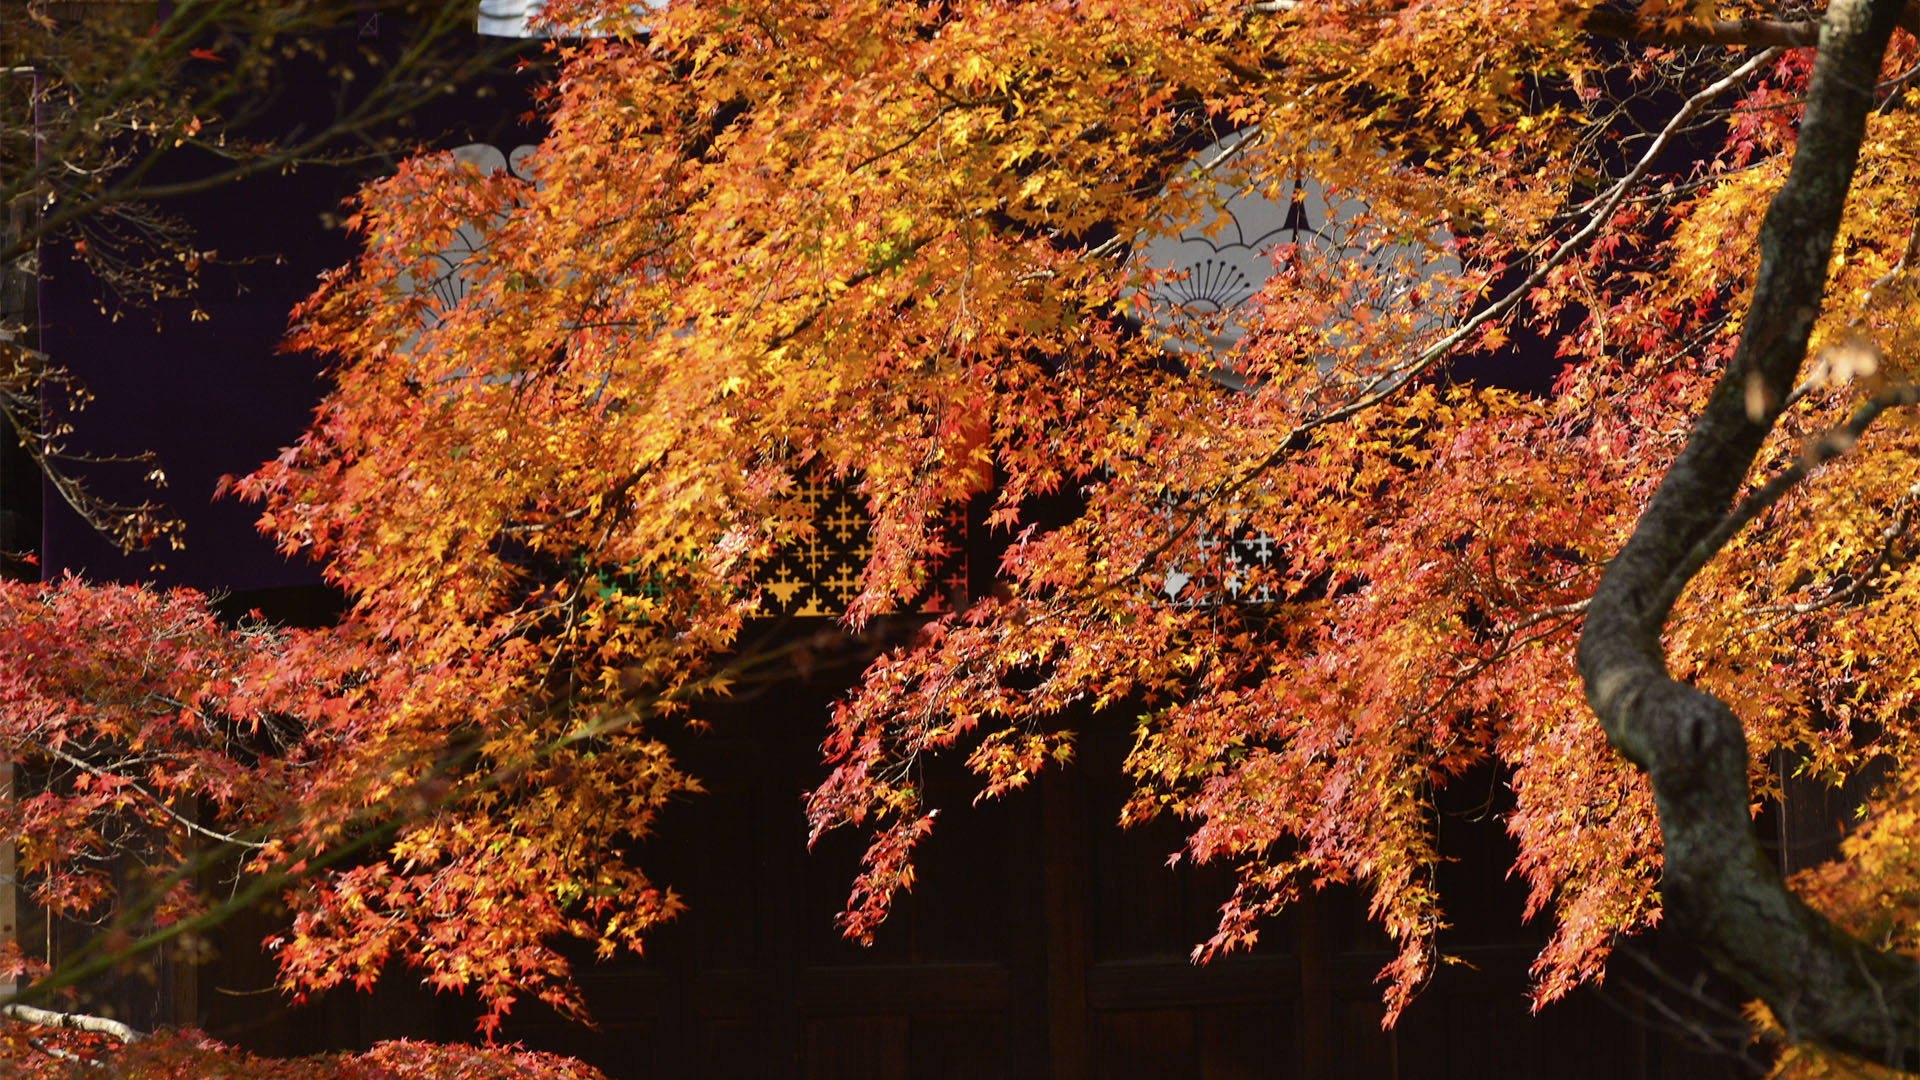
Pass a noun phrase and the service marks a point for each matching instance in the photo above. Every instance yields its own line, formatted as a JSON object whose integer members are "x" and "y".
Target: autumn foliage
{"x": 893, "y": 243}
{"x": 67, "y": 1055}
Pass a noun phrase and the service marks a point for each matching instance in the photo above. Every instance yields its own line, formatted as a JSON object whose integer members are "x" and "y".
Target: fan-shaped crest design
{"x": 1212, "y": 285}
{"x": 514, "y": 18}
{"x": 1222, "y": 258}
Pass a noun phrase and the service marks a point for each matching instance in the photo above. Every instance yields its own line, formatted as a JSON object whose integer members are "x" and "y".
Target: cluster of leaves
{"x": 39, "y": 1053}
{"x": 769, "y": 238}
{"x": 400, "y": 808}
{"x": 737, "y": 265}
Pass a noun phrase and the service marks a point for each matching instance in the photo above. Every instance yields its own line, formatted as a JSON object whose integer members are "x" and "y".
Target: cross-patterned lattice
{"x": 1225, "y": 570}
{"x": 820, "y": 575}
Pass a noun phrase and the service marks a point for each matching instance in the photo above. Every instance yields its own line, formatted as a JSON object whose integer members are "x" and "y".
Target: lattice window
{"x": 1233, "y": 569}
{"x": 820, "y": 576}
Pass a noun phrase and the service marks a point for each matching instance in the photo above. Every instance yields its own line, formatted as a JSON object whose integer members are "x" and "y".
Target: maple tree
{"x": 895, "y": 244}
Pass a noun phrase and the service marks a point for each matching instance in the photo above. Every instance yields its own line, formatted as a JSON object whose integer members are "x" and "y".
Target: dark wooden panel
{"x": 729, "y": 1048}
{"x": 1145, "y": 1045}
{"x": 1064, "y": 905}
{"x": 857, "y": 1048}
{"x": 959, "y": 909}
{"x": 1143, "y": 984}
{"x": 1491, "y": 1033}
{"x": 1243, "y": 1043}
{"x": 916, "y": 988}
{"x": 1139, "y": 907}
{"x": 1360, "y": 1050}
{"x": 971, "y": 1046}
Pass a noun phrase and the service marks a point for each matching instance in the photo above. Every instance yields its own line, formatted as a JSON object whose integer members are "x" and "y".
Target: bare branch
{"x": 99, "y": 1025}
{"x": 185, "y": 822}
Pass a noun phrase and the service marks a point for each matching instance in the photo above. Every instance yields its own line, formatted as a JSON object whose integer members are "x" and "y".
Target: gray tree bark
{"x": 1718, "y": 888}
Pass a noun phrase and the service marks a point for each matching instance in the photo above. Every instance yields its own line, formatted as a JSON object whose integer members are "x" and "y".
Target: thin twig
{"x": 188, "y": 823}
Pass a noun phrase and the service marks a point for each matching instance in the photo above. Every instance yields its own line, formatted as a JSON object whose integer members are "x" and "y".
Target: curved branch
{"x": 1719, "y": 889}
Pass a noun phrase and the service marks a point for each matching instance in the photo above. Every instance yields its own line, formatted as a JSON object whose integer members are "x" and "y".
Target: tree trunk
{"x": 1719, "y": 889}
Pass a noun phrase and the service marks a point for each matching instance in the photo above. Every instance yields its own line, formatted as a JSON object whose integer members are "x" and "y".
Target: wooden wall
{"x": 1041, "y": 941}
